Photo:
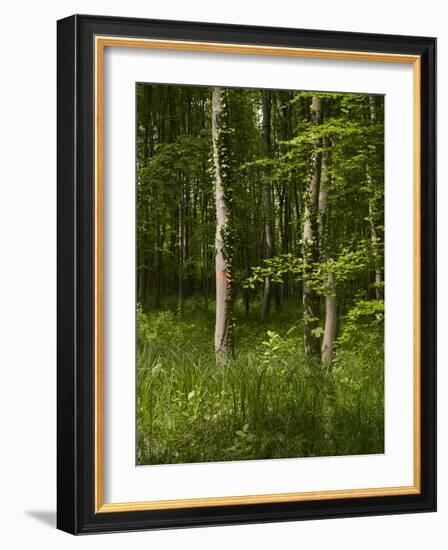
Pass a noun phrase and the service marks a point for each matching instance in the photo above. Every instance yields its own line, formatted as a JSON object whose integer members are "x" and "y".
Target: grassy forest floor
{"x": 271, "y": 402}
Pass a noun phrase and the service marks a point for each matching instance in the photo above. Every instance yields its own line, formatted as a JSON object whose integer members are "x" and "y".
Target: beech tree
{"x": 325, "y": 233}
{"x": 310, "y": 236}
{"x": 223, "y": 234}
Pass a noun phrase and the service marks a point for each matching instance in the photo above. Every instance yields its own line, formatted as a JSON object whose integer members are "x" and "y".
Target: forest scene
{"x": 259, "y": 274}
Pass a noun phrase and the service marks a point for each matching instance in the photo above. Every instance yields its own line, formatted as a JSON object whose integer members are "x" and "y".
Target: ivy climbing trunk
{"x": 309, "y": 239}
{"x": 223, "y": 244}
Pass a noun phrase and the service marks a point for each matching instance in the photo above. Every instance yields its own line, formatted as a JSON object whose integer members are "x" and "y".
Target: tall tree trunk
{"x": 298, "y": 248}
{"x": 286, "y": 233}
{"x": 269, "y": 214}
{"x": 310, "y": 248}
{"x": 204, "y": 213}
{"x": 182, "y": 248}
{"x": 143, "y": 260}
{"x": 223, "y": 322}
{"x": 325, "y": 238}
{"x": 180, "y": 301}
{"x": 379, "y": 291}
{"x": 204, "y": 251}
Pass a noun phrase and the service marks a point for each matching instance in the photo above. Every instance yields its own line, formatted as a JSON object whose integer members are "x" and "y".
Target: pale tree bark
{"x": 330, "y": 320}
{"x": 330, "y": 328}
{"x": 223, "y": 321}
{"x": 309, "y": 238}
{"x": 269, "y": 214}
{"x": 323, "y": 191}
{"x": 379, "y": 292}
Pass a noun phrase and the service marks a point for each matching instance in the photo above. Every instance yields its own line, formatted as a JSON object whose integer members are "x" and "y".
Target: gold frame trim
{"x": 101, "y": 42}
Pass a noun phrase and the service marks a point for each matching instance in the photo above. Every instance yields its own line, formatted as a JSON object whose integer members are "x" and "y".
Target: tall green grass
{"x": 270, "y": 402}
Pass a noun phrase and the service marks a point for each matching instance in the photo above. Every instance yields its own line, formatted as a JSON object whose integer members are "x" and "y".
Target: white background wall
{"x": 28, "y": 272}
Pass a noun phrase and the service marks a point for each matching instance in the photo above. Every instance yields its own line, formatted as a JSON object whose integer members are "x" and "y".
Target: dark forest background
{"x": 259, "y": 273}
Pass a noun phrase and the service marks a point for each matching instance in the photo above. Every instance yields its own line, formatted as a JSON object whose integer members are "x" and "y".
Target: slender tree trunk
{"x": 223, "y": 323}
{"x": 379, "y": 292}
{"x": 325, "y": 234}
{"x": 245, "y": 255}
{"x": 187, "y": 270}
{"x": 182, "y": 240}
{"x": 204, "y": 251}
{"x": 298, "y": 227}
{"x": 204, "y": 213}
{"x": 174, "y": 215}
{"x": 309, "y": 299}
{"x": 286, "y": 234}
{"x": 159, "y": 269}
{"x": 330, "y": 320}
{"x": 269, "y": 214}
{"x": 323, "y": 194}
{"x": 143, "y": 256}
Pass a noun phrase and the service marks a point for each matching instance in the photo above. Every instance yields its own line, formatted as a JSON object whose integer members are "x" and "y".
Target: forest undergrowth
{"x": 272, "y": 401}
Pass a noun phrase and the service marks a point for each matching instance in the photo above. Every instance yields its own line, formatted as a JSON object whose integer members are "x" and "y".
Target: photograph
{"x": 259, "y": 274}
{"x": 246, "y": 263}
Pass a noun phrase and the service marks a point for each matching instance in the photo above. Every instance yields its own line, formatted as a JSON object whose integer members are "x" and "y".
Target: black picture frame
{"x": 76, "y": 274}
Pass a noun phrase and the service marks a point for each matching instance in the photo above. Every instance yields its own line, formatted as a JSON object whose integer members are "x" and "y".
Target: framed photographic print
{"x": 246, "y": 274}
